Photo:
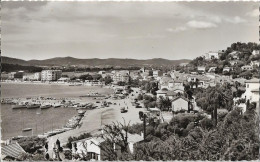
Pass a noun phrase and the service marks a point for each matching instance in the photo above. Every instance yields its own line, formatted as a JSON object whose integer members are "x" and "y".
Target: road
{"x": 93, "y": 120}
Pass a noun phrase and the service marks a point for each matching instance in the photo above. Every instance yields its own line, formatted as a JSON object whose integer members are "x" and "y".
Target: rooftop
{"x": 254, "y": 80}
{"x": 12, "y": 150}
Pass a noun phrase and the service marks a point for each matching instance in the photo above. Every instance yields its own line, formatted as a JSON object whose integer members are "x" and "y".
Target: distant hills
{"x": 64, "y": 61}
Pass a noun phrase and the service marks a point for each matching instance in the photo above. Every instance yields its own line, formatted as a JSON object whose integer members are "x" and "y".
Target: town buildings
{"x": 51, "y": 75}
{"x": 121, "y": 76}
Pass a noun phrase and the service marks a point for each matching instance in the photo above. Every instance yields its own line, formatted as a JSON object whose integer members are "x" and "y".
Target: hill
{"x": 61, "y": 61}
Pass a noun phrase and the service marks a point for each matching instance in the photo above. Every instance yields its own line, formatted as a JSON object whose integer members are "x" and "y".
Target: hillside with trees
{"x": 245, "y": 57}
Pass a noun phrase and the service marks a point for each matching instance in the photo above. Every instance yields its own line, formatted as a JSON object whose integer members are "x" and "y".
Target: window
{"x": 247, "y": 85}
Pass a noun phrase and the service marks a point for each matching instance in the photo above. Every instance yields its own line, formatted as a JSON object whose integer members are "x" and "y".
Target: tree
{"x": 216, "y": 99}
{"x": 164, "y": 103}
{"x": 115, "y": 136}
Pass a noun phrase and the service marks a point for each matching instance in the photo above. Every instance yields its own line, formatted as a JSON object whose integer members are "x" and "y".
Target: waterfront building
{"x": 4, "y": 76}
{"x": 94, "y": 83}
{"x": 121, "y": 76}
{"x": 37, "y": 76}
{"x": 51, "y": 75}
{"x": 63, "y": 79}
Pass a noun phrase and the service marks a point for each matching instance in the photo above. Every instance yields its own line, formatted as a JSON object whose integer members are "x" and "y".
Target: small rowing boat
{"x": 27, "y": 129}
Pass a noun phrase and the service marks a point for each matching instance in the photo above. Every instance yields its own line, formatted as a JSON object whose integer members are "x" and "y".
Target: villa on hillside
{"x": 252, "y": 90}
{"x": 247, "y": 67}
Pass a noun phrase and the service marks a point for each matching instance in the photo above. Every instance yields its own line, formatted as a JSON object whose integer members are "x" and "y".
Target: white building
{"x": 122, "y": 76}
{"x": 94, "y": 83}
{"x": 89, "y": 146}
{"x": 226, "y": 69}
{"x": 201, "y": 68}
{"x": 180, "y": 103}
{"x": 51, "y": 75}
{"x": 157, "y": 73}
{"x": 247, "y": 67}
{"x": 212, "y": 55}
{"x": 252, "y": 90}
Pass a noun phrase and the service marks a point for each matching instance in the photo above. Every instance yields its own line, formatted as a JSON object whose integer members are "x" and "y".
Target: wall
{"x": 179, "y": 104}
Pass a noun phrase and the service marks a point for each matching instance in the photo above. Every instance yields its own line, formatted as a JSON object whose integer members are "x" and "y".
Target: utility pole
{"x": 144, "y": 122}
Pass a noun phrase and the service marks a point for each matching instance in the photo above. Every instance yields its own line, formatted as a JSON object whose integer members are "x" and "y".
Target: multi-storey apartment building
{"x": 50, "y": 75}
{"x": 122, "y": 76}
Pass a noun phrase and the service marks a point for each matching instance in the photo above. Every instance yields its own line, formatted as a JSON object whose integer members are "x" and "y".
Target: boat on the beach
{"x": 45, "y": 106}
{"x": 33, "y": 106}
{"x": 27, "y": 129}
{"x": 56, "y": 105}
{"x": 19, "y": 106}
{"x": 93, "y": 95}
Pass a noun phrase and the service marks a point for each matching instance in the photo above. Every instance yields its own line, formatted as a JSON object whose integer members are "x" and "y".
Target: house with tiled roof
{"x": 11, "y": 151}
{"x": 180, "y": 103}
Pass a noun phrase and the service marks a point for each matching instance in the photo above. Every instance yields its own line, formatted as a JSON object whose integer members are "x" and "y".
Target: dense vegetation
{"x": 16, "y": 67}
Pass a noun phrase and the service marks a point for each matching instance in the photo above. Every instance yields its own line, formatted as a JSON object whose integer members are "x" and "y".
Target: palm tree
{"x": 216, "y": 99}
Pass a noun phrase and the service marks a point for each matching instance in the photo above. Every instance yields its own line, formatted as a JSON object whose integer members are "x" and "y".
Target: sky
{"x": 139, "y": 30}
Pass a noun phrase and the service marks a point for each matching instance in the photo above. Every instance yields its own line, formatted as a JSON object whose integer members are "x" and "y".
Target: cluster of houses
{"x": 92, "y": 146}
{"x": 234, "y": 59}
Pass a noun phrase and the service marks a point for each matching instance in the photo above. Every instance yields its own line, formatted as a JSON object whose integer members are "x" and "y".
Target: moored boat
{"x": 45, "y": 106}
{"x": 27, "y": 129}
{"x": 33, "y": 106}
{"x": 19, "y": 106}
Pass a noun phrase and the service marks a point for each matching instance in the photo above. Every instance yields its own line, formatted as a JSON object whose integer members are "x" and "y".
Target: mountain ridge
{"x": 61, "y": 61}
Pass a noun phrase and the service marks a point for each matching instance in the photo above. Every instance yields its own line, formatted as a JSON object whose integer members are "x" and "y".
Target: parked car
{"x": 123, "y": 110}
